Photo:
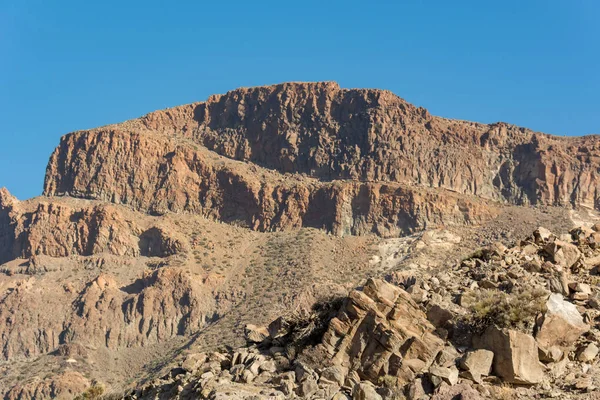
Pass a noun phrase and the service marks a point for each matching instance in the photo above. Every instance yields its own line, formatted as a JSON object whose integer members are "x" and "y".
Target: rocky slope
{"x": 525, "y": 316}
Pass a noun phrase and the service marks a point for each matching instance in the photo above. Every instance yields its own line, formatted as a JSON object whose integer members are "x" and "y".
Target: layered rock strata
{"x": 327, "y": 133}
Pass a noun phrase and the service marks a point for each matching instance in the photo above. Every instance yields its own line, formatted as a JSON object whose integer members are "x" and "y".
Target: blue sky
{"x": 70, "y": 65}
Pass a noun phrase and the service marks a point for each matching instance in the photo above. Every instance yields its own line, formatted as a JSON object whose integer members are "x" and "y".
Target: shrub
{"x": 94, "y": 392}
{"x": 308, "y": 328}
{"x": 515, "y": 310}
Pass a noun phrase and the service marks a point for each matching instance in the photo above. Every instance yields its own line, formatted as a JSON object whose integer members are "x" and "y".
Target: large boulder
{"x": 561, "y": 324}
{"x": 515, "y": 355}
{"x": 381, "y": 331}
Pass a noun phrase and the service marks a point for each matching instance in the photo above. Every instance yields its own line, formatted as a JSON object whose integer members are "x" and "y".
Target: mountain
{"x": 163, "y": 238}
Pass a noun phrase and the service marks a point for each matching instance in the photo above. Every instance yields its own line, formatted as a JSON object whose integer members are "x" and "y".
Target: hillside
{"x": 175, "y": 236}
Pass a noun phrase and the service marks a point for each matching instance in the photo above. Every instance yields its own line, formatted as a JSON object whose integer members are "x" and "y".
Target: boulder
{"x": 335, "y": 373}
{"x": 580, "y": 287}
{"x": 268, "y": 366}
{"x": 255, "y": 334}
{"x": 477, "y": 363}
{"x": 541, "y": 235}
{"x": 594, "y": 301}
{"x": 550, "y": 355}
{"x": 561, "y": 323}
{"x": 588, "y": 353}
{"x": 307, "y": 388}
{"x": 558, "y": 283}
{"x": 563, "y": 253}
{"x": 447, "y": 357}
{"x": 443, "y": 374}
{"x": 365, "y": 391}
{"x": 439, "y": 315}
{"x": 591, "y": 262}
{"x": 515, "y": 355}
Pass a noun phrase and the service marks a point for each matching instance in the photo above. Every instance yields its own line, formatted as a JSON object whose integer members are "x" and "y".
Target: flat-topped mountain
{"x": 326, "y": 133}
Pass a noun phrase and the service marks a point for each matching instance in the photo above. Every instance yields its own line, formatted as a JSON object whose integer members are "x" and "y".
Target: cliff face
{"x": 53, "y": 228}
{"x": 160, "y": 161}
{"x": 168, "y": 303}
{"x": 157, "y": 174}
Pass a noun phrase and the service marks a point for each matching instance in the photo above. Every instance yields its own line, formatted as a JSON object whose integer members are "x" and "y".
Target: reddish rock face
{"x": 50, "y": 227}
{"x": 159, "y": 174}
{"x": 340, "y": 142}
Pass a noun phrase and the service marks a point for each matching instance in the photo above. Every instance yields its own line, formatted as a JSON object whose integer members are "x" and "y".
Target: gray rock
{"x": 561, "y": 324}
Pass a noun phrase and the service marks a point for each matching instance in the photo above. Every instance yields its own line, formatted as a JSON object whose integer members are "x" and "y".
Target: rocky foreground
{"x": 518, "y": 322}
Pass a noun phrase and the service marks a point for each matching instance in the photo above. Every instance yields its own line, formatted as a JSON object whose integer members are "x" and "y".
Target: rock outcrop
{"x": 164, "y": 304}
{"x": 515, "y": 355}
{"x": 561, "y": 324}
{"x": 58, "y": 228}
{"x": 381, "y": 331}
{"x": 380, "y": 344}
{"x": 327, "y": 133}
{"x": 157, "y": 174}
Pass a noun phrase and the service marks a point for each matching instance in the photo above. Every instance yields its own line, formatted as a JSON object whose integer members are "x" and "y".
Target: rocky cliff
{"x": 53, "y": 228}
{"x": 327, "y": 133}
{"x": 156, "y": 174}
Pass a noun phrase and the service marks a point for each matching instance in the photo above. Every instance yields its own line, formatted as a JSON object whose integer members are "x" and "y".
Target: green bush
{"x": 504, "y": 310}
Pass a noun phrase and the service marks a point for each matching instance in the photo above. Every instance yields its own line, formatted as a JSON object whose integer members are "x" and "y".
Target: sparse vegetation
{"x": 504, "y": 310}
{"x": 307, "y": 328}
{"x": 94, "y": 392}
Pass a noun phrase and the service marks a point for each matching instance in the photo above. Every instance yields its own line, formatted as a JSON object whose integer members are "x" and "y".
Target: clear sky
{"x": 70, "y": 65}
